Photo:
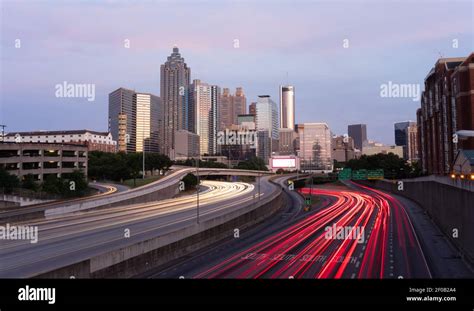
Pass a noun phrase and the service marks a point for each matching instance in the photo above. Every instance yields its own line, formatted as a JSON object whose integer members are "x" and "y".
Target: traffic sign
{"x": 345, "y": 174}
{"x": 307, "y": 200}
{"x": 375, "y": 174}
{"x": 359, "y": 175}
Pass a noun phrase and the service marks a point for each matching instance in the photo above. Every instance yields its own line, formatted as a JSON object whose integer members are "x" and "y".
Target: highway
{"x": 387, "y": 247}
{"x": 65, "y": 240}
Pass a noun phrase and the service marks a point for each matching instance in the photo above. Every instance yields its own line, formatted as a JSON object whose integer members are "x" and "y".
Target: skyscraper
{"x": 147, "y": 122}
{"x": 315, "y": 146}
{"x": 204, "y": 98}
{"x": 174, "y": 80}
{"x": 214, "y": 119}
{"x": 122, "y": 119}
{"x": 231, "y": 106}
{"x": 358, "y": 132}
{"x": 267, "y": 120}
{"x": 406, "y": 136}
{"x": 287, "y": 107}
{"x": 253, "y": 108}
{"x": 134, "y": 120}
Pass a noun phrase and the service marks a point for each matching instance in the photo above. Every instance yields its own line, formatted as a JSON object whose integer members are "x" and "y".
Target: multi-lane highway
{"x": 68, "y": 239}
{"x": 379, "y": 242}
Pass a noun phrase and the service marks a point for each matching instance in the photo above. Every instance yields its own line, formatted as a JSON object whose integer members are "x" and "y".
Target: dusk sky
{"x": 83, "y": 42}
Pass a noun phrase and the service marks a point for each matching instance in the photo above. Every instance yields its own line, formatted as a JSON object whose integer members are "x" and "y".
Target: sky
{"x": 337, "y": 54}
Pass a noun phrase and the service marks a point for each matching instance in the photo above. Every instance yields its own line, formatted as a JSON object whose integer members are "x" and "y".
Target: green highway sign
{"x": 345, "y": 174}
{"x": 359, "y": 175}
{"x": 307, "y": 200}
{"x": 375, "y": 174}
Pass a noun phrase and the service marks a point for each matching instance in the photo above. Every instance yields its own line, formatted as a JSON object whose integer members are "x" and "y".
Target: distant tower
{"x": 287, "y": 107}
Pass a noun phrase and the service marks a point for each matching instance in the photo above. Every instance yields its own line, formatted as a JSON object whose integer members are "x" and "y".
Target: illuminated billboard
{"x": 284, "y": 162}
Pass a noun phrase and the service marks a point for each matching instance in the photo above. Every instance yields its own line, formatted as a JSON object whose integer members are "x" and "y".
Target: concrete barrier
{"x": 451, "y": 208}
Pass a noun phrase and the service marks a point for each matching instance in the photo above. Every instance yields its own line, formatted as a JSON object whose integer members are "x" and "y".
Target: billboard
{"x": 283, "y": 162}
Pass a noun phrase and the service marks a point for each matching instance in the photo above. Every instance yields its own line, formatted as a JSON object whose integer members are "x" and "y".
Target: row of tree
{"x": 121, "y": 166}
{"x": 393, "y": 166}
{"x": 73, "y": 184}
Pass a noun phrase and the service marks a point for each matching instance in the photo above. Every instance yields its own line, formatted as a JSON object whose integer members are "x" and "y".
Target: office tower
{"x": 147, "y": 122}
{"x": 214, "y": 119}
{"x": 187, "y": 145}
{"x": 286, "y": 141}
{"x": 342, "y": 148}
{"x": 134, "y": 120}
{"x": 253, "y": 108}
{"x": 287, "y": 107}
{"x": 267, "y": 120}
{"x": 174, "y": 81}
{"x": 412, "y": 143}
{"x": 205, "y": 100}
{"x": 231, "y": 106}
{"x": 447, "y": 106}
{"x": 239, "y": 104}
{"x": 405, "y": 136}
{"x": 315, "y": 146}
{"x": 359, "y": 133}
{"x": 122, "y": 119}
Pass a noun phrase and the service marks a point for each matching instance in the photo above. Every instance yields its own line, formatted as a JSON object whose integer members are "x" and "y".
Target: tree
{"x": 8, "y": 181}
{"x": 28, "y": 182}
{"x": 393, "y": 166}
{"x": 54, "y": 185}
{"x": 75, "y": 184}
{"x": 190, "y": 181}
{"x": 254, "y": 163}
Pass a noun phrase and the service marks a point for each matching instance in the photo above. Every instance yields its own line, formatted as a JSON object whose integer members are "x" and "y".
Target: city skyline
{"x": 330, "y": 79}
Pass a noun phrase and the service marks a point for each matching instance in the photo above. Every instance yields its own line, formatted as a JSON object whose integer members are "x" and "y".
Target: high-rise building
{"x": 122, "y": 119}
{"x": 412, "y": 143}
{"x": 343, "y": 148}
{"x": 205, "y": 100}
{"x": 187, "y": 144}
{"x": 147, "y": 122}
{"x": 253, "y": 108}
{"x": 174, "y": 81}
{"x": 214, "y": 119}
{"x": 358, "y": 132}
{"x": 231, "y": 106}
{"x": 287, "y": 107}
{"x": 447, "y": 106}
{"x": 267, "y": 120}
{"x": 286, "y": 141}
{"x": 405, "y": 136}
{"x": 240, "y": 104}
{"x": 134, "y": 120}
{"x": 315, "y": 146}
